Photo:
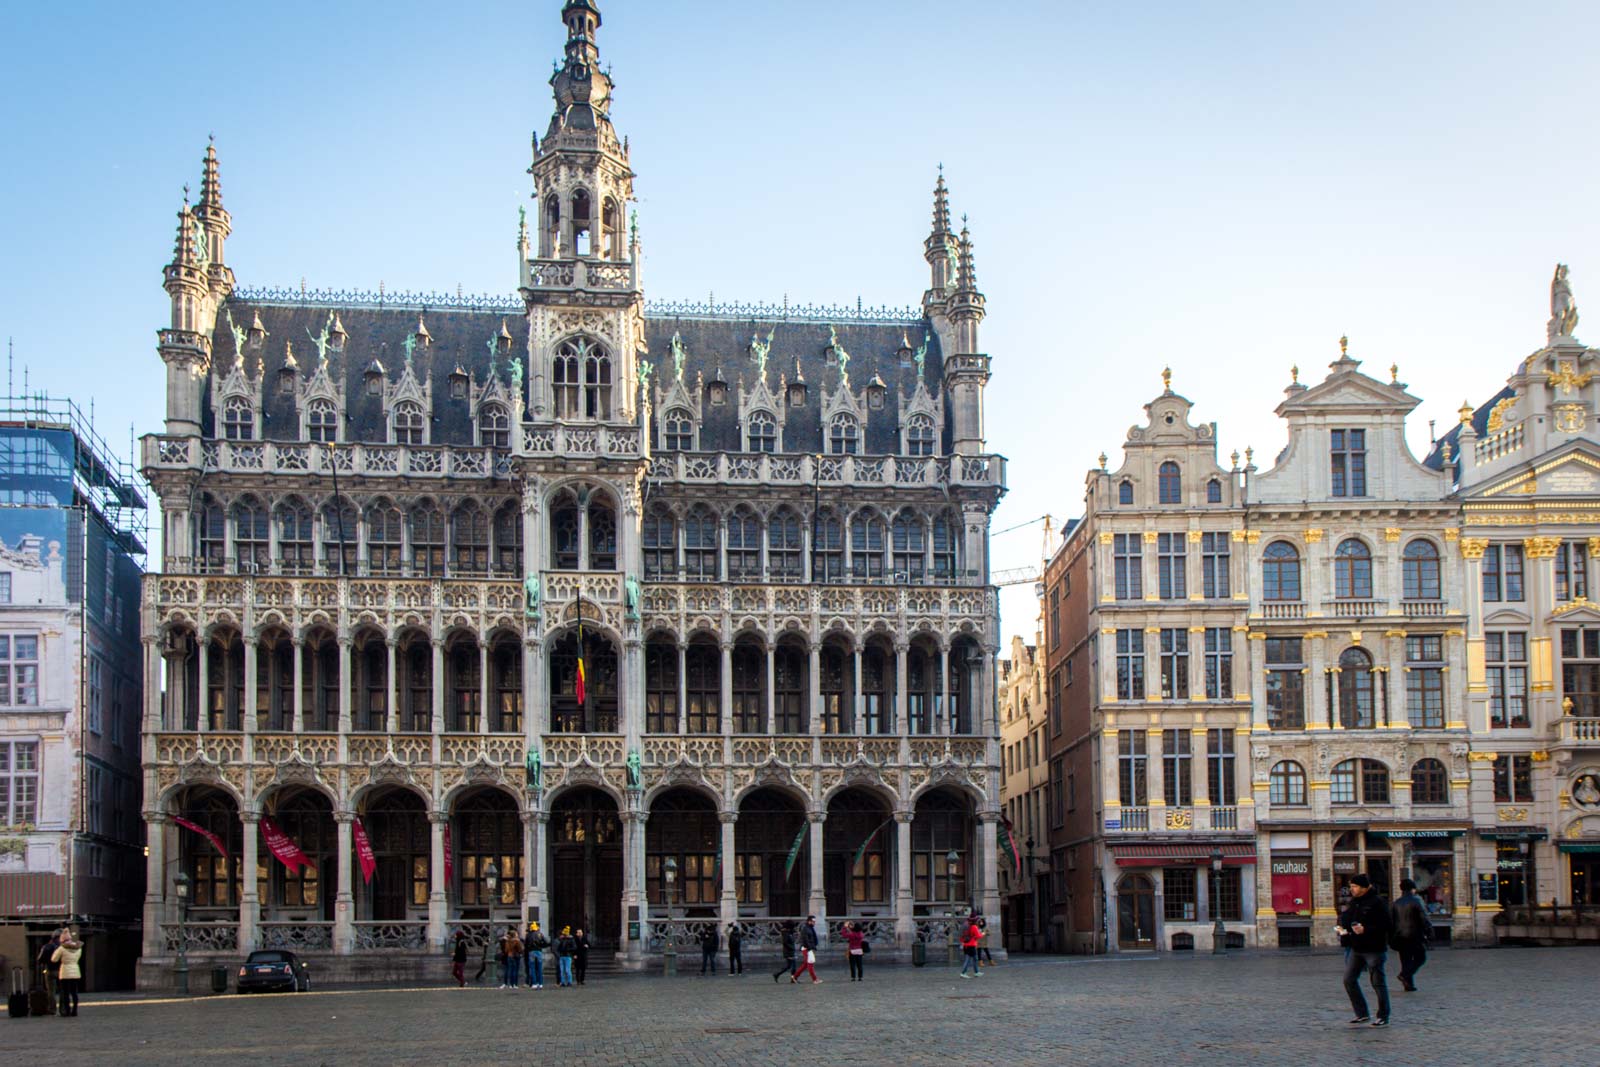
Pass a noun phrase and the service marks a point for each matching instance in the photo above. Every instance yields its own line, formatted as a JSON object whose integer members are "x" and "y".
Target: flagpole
{"x": 338, "y": 511}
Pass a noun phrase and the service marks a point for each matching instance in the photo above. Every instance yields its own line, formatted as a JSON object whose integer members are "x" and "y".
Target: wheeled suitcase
{"x": 17, "y": 1002}
{"x": 39, "y": 1002}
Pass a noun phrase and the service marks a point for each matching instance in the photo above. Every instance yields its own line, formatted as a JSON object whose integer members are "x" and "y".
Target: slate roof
{"x": 1480, "y": 425}
{"x": 460, "y": 336}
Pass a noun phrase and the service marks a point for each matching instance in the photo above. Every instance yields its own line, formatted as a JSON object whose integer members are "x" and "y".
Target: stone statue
{"x": 202, "y": 244}
{"x": 409, "y": 344}
{"x": 635, "y": 779}
{"x": 516, "y": 376}
{"x": 921, "y": 358}
{"x": 1587, "y": 792}
{"x": 759, "y": 350}
{"x": 535, "y": 768}
{"x": 843, "y": 356}
{"x": 630, "y": 586}
{"x": 238, "y": 335}
{"x": 530, "y": 592}
{"x": 493, "y": 344}
{"x": 1563, "y": 308}
{"x": 679, "y": 353}
{"x": 321, "y": 339}
{"x": 646, "y": 369}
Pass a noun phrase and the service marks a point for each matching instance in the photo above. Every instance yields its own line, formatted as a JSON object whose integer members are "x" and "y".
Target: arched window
{"x": 1430, "y": 782}
{"x": 552, "y": 225}
{"x": 508, "y": 540}
{"x": 462, "y": 685}
{"x": 836, "y": 683}
{"x": 1287, "y": 783}
{"x": 602, "y": 520}
{"x": 744, "y": 545}
{"x": 1170, "y": 484}
{"x": 677, "y": 430}
{"x": 784, "y": 546}
{"x": 340, "y": 538}
{"x": 700, "y": 544}
{"x": 1420, "y": 571}
{"x": 1213, "y": 492}
{"x": 597, "y": 383}
{"x": 409, "y": 424}
{"x": 1280, "y": 572}
{"x": 211, "y": 534}
{"x": 919, "y": 436}
{"x": 749, "y": 688}
{"x": 598, "y": 712}
{"x": 1359, "y": 781}
{"x": 611, "y": 229}
{"x": 660, "y": 539}
{"x": 564, "y": 531}
{"x": 827, "y": 548}
{"x": 908, "y": 541}
{"x": 581, "y": 373}
{"x": 660, "y": 686}
{"x": 582, "y": 242}
{"x": 494, "y": 427}
{"x": 940, "y": 825}
{"x": 469, "y": 539}
{"x": 427, "y": 538}
{"x": 251, "y": 536}
{"x": 844, "y": 435}
{"x": 238, "y": 419}
{"x": 1352, "y": 570}
{"x": 791, "y": 678}
{"x": 946, "y": 546}
{"x": 385, "y": 538}
{"x": 322, "y": 421}
{"x": 297, "y": 548}
{"x": 1125, "y": 492}
{"x": 1355, "y": 690}
{"x": 763, "y": 432}
{"x": 866, "y": 546}
{"x": 702, "y": 684}
{"x": 565, "y": 376}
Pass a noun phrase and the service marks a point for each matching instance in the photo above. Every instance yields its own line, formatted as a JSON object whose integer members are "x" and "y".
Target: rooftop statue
{"x": 409, "y": 344}
{"x": 202, "y": 244}
{"x": 646, "y": 369}
{"x": 844, "y": 357}
{"x": 321, "y": 339}
{"x": 516, "y": 376}
{"x": 1563, "y": 308}
{"x": 238, "y": 335}
{"x": 921, "y": 358}
{"x": 679, "y": 353}
{"x": 759, "y": 351}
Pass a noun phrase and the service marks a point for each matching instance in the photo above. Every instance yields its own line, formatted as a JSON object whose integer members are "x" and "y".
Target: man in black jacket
{"x": 1411, "y": 933}
{"x": 709, "y": 943}
{"x": 1363, "y": 929}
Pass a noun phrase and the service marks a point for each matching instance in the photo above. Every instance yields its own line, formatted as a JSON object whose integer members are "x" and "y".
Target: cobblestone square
{"x": 1508, "y": 1006}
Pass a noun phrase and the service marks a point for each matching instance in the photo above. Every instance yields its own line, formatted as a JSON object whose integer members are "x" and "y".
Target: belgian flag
{"x": 581, "y": 680}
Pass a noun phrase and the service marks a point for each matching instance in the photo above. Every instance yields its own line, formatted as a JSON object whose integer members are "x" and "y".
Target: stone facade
{"x": 1024, "y": 782}
{"x": 388, "y": 558}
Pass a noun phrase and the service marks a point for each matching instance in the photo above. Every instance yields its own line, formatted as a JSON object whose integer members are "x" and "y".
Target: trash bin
{"x": 919, "y": 954}
{"x": 219, "y": 979}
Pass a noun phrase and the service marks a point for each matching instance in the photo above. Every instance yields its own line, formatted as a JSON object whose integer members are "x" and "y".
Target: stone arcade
{"x": 390, "y": 520}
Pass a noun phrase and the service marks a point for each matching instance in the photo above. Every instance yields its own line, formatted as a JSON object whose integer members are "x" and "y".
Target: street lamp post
{"x": 1219, "y": 933}
{"x": 669, "y": 951}
{"x": 951, "y": 858}
{"x": 180, "y": 973}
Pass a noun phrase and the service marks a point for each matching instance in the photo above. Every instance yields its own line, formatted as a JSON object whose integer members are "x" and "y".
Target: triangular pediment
{"x": 1575, "y": 471}
{"x": 1581, "y": 610}
{"x": 1352, "y": 391}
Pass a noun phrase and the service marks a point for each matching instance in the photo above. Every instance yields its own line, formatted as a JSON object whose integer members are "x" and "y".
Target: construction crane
{"x": 1024, "y": 575}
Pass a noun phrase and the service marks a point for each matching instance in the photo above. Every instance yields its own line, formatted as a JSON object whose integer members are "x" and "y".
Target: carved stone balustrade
{"x": 716, "y": 468}
{"x": 161, "y": 452}
{"x": 771, "y": 609}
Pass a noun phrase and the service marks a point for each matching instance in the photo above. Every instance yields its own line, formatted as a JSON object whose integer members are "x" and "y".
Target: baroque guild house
{"x": 568, "y": 607}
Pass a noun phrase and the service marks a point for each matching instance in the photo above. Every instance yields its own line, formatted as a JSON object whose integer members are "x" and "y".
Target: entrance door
{"x": 783, "y": 894}
{"x": 391, "y": 884}
{"x": 835, "y": 883}
{"x": 1136, "y": 912}
{"x": 586, "y": 867}
{"x": 1586, "y": 880}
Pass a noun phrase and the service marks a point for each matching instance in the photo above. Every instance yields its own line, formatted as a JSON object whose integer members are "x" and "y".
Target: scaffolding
{"x": 104, "y": 482}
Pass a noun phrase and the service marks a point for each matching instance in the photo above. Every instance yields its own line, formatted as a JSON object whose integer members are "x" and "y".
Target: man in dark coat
{"x": 710, "y": 941}
{"x": 1364, "y": 928}
{"x": 735, "y": 950}
{"x": 788, "y": 951}
{"x": 1411, "y": 933}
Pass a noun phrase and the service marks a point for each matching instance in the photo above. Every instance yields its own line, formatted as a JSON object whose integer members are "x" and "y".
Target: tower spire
{"x": 582, "y": 89}
{"x": 967, "y": 271}
{"x": 211, "y": 181}
{"x": 939, "y": 249}
{"x": 214, "y": 222}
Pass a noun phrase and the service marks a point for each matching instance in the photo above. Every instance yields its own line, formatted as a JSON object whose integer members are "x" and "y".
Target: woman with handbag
{"x": 69, "y": 954}
{"x": 855, "y": 949}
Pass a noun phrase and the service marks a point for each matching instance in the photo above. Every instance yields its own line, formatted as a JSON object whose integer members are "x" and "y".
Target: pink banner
{"x": 216, "y": 842}
{"x": 279, "y": 844}
{"x": 364, "y": 855}
{"x": 449, "y": 859}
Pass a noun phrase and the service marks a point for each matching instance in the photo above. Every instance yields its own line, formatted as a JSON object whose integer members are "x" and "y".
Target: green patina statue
{"x": 535, "y": 768}
{"x": 646, "y": 369}
{"x": 321, "y": 339}
{"x": 921, "y": 358}
{"x": 679, "y": 354}
{"x": 409, "y": 344}
{"x": 635, "y": 778}
{"x": 759, "y": 351}
{"x": 238, "y": 335}
{"x": 493, "y": 344}
{"x": 530, "y": 593}
{"x": 516, "y": 376}
{"x": 843, "y": 357}
{"x": 631, "y": 592}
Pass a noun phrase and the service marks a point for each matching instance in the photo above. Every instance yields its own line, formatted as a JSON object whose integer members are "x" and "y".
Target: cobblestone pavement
{"x": 1505, "y": 1006}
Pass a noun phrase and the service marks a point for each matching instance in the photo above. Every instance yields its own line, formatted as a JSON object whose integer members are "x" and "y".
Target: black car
{"x": 274, "y": 969}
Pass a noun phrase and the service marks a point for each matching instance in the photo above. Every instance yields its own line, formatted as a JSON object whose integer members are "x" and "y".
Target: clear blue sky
{"x": 1225, "y": 187}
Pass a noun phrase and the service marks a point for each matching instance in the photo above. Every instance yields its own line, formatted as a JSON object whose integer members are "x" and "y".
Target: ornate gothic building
{"x": 395, "y": 526}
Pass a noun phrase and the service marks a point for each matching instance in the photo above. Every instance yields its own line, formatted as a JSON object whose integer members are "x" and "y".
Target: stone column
{"x": 633, "y": 898}
{"x": 530, "y": 848}
{"x": 730, "y": 895}
{"x": 344, "y": 903}
{"x": 814, "y": 664}
{"x": 988, "y": 876}
{"x": 540, "y": 901}
{"x": 249, "y": 898}
{"x": 299, "y": 694}
{"x": 393, "y": 680}
{"x": 901, "y": 719}
{"x": 727, "y": 688}
{"x": 855, "y": 697}
{"x": 150, "y": 714}
{"x": 174, "y": 714}
{"x": 683, "y": 686}
{"x": 438, "y": 903}
{"x": 1201, "y": 766}
{"x": 483, "y": 687}
{"x": 944, "y": 722}
{"x": 1470, "y": 584}
{"x": 437, "y": 724}
{"x": 1252, "y": 651}
{"x": 818, "y": 905}
{"x": 532, "y": 709}
{"x": 251, "y": 680}
{"x": 346, "y": 702}
{"x": 155, "y": 885}
{"x": 905, "y": 927}
{"x": 1319, "y": 715}
{"x": 772, "y": 696}
{"x": 202, "y": 689}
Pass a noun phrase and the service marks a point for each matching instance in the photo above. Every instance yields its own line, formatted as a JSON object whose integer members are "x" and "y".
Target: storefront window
{"x": 1178, "y": 894}
{"x": 1291, "y": 884}
{"x": 1432, "y": 873}
{"x": 1358, "y": 852}
{"x": 1516, "y": 872}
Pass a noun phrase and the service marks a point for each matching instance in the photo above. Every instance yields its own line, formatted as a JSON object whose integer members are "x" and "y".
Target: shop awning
{"x": 1578, "y": 846}
{"x": 1160, "y": 854}
{"x": 1513, "y": 833}
{"x": 23, "y": 896}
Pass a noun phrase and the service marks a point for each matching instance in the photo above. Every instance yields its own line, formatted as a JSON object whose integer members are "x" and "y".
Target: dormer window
{"x": 797, "y": 394}
{"x": 678, "y": 430}
{"x": 844, "y": 436}
{"x": 286, "y": 380}
{"x": 763, "y": 432}
{"x": 322, "y": 421}
{"x": 494, "y": 427}
{"x": 373, "y": 376}
{"x": 458, "y": 383}
{"x": 919, "y": 436}
{"x": 408, "y": 424}
{"x": 1349, "y": 460}
{"x": 238, "y": 419}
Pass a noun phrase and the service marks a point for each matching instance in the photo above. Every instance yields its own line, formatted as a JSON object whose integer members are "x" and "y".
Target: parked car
{"x": 271, "y": 969}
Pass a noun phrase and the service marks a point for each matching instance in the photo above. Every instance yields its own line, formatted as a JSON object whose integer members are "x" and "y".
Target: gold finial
{"x": 1102, "y": 461}
{"x": 1444, "y": 451}
{"x": 1249, "y": 455}
{"x": 1394, "y": 374}
{"x": 1166, "y": 378}
{"x": 1465, "y": 412}
{"x": 1235, "y": 458}
{"x": 1294, "y": 372}
{"x": 1344, "y": 346}
{"x": 1566, "y": 706}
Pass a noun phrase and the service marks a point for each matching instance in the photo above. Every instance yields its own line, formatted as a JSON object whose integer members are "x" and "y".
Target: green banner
{"x": 794, "y": 850}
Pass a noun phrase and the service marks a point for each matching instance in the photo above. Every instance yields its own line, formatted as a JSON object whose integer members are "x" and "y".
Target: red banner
{"x": 216, "y": 842}
{"x": 449, "y": 858}
{"x": 281, "y": 846}
{"x": 364, "y": 855}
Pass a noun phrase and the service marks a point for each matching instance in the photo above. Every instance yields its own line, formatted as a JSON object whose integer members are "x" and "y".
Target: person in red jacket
{"x": 969, "y": 949}
{"x": 853, "y": 940}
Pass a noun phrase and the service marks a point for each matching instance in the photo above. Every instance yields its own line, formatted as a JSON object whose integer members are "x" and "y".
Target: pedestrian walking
{"x": 709, "y": 943}
{"x": 50, "y": 969}
{"x": 986, "y": 957}
{"x": 580, "y": 953}
{"x": 855, "y": 949}
{"x": 788, "y": 951}
{"x": 500, "y": 957}
{"x": 1411, "y": 933}
{"x": 533, "y": 946}
{"x": 458, "y": 959}
{"x": 969, "y": 948}
{"x": 69, "y": 957}
{"x": 565, "y": 947}
{"x": 514, "y": 949}
{"x": 807, "y": 960}
{"x": 1364, "y": 928}
{"x": 735, "y": 950}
